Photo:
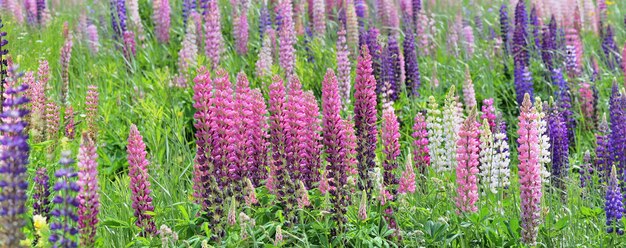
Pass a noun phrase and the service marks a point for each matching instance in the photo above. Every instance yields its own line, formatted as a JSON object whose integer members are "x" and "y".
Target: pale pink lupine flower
{"x": 265, "y": 60}
{"x": 467, "y": 165}
{"x": 407, "y": 181}
{"x": 16, "y": 9}
{"x": 188, "y": 54}
{"x": 468, "y": 35}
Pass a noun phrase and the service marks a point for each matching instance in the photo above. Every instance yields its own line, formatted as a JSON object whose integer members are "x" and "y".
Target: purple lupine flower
{"x": 611, "y": 53}
{"x": 391, "y": 67}
{"x": 121, "y": 15}
{"x": 559, "y": 144}
{"x": 213, "y": 34}
{"x": 504, "y": 27}
{"x": 88, "y": 196}
{"x": 91, "y": 110}
{"x": 523, "y": 83}
{"x": 31, "y": 11}
{"x": 617, "y": 138}
{"x": 243, "y": 32}
{"x": 14, "y": 154}
{"x": 41, "y": 11}
{"x": 335, "y": 148}
{"x": 92, "y": 38}
{"x": 417, "y": 8}
{"x": 520, "y": 35}
{"x": 535, "y": 26}
{"x": 52, "y": 120}
{"x": 41, "y": 193}
{"x": 376, "y": 53}
{"x": 586, "y": 170}
{"x": 548, "y": 43}
{"x": 114, "y": 22}
{"x": 188, "y": 6}
{"x": 365, "y": 118}
{"x": 265, "y": 20}
{"x": 139, "y": 182}
{"x": 63, "y": 215}
{"x": 4, "y": 52}
{"x": 343, "y": 68}
{"x": 286, "y": 37}
{"x": 468, "y": 35}
{"x": 614, "y": 207}
{"x": 161, "y": 18}
{"x": 411, "y": 65}
{"x": 564, "y": 103}
{"x": 603, "y": 151}
{"x": 390, "y": 135}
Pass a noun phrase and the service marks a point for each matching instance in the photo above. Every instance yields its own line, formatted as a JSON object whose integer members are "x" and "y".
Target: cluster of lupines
{"x": 64, "y": 217}
{"x": 467, "y": 165}
{"x": 88, "y": 196}
{"x": 139, "y": 182}
{"x": 365, "y": 118}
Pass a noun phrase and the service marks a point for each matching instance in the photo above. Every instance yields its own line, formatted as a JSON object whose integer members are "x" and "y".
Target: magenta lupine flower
{"x": 489, "y": 113}
{"x": 407, "y": 181}
{"x": 365, "y": 118}
{"x": 52, "y": 120}
{"x": 161, "y": 18}
{"x": 66, "y": 56}
{"x": 253, "y": 126}
{"x": 213, "y": 34}
{"x": 92, "y": 38}
{"x": 130, "y": 45}
{"x": 390, "y": 135}
{"x": 421, "y": 152}
{"x": 467, "y": 165}
{"x": 529, "y": 172}
{"x": 88, "y": 196}
{"x": 286, "y": 36}
{"x": 139, "y": 182}
{"x": 70, "y": 128}
{"x": 335, "y": 147}
{"x": 343, "y": 68}
{"x": 319, "y": 17}
{"x": 243, "y": 32}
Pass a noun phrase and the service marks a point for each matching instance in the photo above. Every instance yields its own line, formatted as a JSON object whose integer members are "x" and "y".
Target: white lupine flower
{"x": 501, "y": 159}
{"x": 544, "y": 141}
{"x": 489, "y": 174}
{"x": 451, "y": 122}
{"x": 435, "y": 135}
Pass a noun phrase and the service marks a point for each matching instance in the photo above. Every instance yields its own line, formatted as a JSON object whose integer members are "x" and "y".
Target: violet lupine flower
{"x": 88, "y": 196}
{"x": 469, "y": 95}
{"x": 391, "y": 67}
{"x": 213, "y": 34}
{"x": 265, "y": 20}
{"x": 416, "y": 5}
{"x": 41, "y": 11}
{"x": 411, "y": 65}
{"x": 334, "y": 140}
{"x": 467, "y": 165}
{"x": 421, "y": 152}
{"x": 64, "y": 217}
{"x": 614, "y": 207}
{"x": 617, "y": 138}
{"x": 376, "y": 53}
{"x": 489, "y": 113}
{"x": 139, "y": 182}
{"x": 586, "y": 170}
{"x": 130, "y": 45}
{"x": 15, "y": 154}
{"x": 548, "y": 43}
{"x": 243, "y": 32}
{"x": 611, "y": 53}
{"x": 286, "y": 37}
{"x": 504, "y": 27}
{"x": 161, "y": 18}
{"x": 520, "y": 35}
{"x": 559, "y": 142}
{"x": 343, "y": 68}
{"x": 603, "y": 160}
{"x": 117, "y": 21}
{"x": 70, "y": 128}
{"x": 3, "y": 60}
{"x": 523, "y": 83}
{"x": 41, "y": 193}
{"x": 365, "y": 118}
{"x": 564, "y": 102}
{"x": 188, "y": 6}
{"x": 390, "y": 135}
{"x": 318, "y": 18}
{"x": 66, "y": 56}
{"x": 535, "y": 26}
{"x": 529, "y": 172}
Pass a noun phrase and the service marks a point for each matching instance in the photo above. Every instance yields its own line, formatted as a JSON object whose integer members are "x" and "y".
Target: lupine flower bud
{"x": 213, "y": 31}
{"x": 278, "y": 237}
{"x": 232, "y": 212}
{"x": 66, "y": 55}
{"x": 88, "y": 196}
{"x": 407, "y": 181}
{"x": 250, "y": 194}
{"x": 64, "y": 218}
{"x": 603, "y": 151}
{"x": 529, "y": 172}
{"x": 52, "y": 120}
{"x": 365, "y": 117}
{"x": 411, "y": 65}
{"x": 545, "y": 155}
{"x": 303, "y": 196}
{"x": 343, "y": 68}
{"x": 614, "y": 207}
{"x": 139, "y": 182}
{"x": 421, "y": 152}
{"x": 352, "y": 28}
{"x": 41, "y": 193}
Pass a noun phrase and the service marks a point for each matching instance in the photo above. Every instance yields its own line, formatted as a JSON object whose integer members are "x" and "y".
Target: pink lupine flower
{"x": 319, "y": 18}
{"x": 468, "y": 35}
{"x": 587, "y": 102}
{"x": 66, "y": 56}
{"x": 161, "y": 18}
{"x": 574, "y": 48}
{"x": 88, "y": 196}
{"x": 529, "y": 172}
{"x": 91, "y": 110}
{"x": 202, "y": 104}
{"x": 139, "y": 182}
{"x": 38, "y": 102}
{"x": 467, "y": 165}
{"x": 286, "y": 36}
{"x": 14, "y": 7}
{"x": 343, "y": 68}
{"x": 92, "y": 38}
{"x": 129, "y": 45}
{"x": 197, "y": 22}
{"x": 31, "y": 11}
{"x": 135, "y": 20}
{"x": 489, "y": 113}
{"x": 421, "y": 152}
{"x": 250, "y": 194}
{"x": 390, "y": 135}
{"x": 407, "y": 181}
{"x": 469, "y": 94}
{"x": 213, "y": 34}
{"x": 351, "y": 154}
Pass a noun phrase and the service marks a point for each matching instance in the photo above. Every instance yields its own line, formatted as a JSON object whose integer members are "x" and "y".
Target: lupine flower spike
{"x": 467, "y": 165}
{"x": 614, "y": 207}
{"x": 139, "y": 182}
{"x": 421, "y": 153}
{"x": 365, "y": 118}
{"x": 64, "y": 217}
{"x": 41, "y": 193}
{"x": 88, "y": 196}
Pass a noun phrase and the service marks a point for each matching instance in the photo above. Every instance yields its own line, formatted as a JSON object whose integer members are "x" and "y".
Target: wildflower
{"x": 488, "y": 113}
{"x": 66, "y": 56}
{"x": 501, "y": 159}
{"x": 318, "y": 20}
{"x": 603, "y": 151}
{"x": 232, "y": 217}
{"x": 544, "y": 143}
{"x": 88, "y": 196}
{"x": 450, "y": 128}
{"x": 188, "y": 54}
{"x": 467, "y": 165}
{"x": 41, "y": 193}
{"x": 407, "y": 181}
{"x": 161, "y": 18}
{"x": 587, "y": 99}
{"x": 287, "y": 36}
{"x": 351, "y": 25}
{"x": 278, "y": 236}
{"x": 468, "y": 34}
{"x": 213, "y": 34}
{"x": 64, "y": 217}
{"x": 420, "y": 144}
{"x": 468, "y": 90}
{"x": 523, "y": 83}
{"x": 130, "y": 46}
{"x": 70, "y": 129}
{"x": 436, "y": 136}
{"x": 504, "y": 27}
{"x": 412, "y": 81}
{"x": 135, "y": 19}
{"x": 557, "y": 131}
{"x": 92, "y": 38}
{"x": 585, "y": 170}
{"x": 376, "y": 53}
{"x": 303, "y": 196}
{"x": 264, "y": 63}
{"x": 139, "y": 182}
{"x": 343, "y": 68}
{"x": 617, "y": 138}
{"x": 614, "y": 207}
{"x": 520, "y": 35}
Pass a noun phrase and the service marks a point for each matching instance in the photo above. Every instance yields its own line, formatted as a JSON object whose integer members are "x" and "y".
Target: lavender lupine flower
{"x": 118, "y": 17}
{"x": 31, "y": 11}
{"x": 139, "y": 182}
{"x": 468, "y": 40}
{"x": 376, "y": 53}
{"x": 213, "y": 34}
{"x": 617, "y": 138}
{"x": 265, "y": 61}
{"x": 88, "y": 196}
{"x": 586, "y": 170}
{"x": 411, "y": 65}
{"x": 391, "y": 67}
{"x": 41, "y": 12}
{"x": 548, "y": 43}
{"x": 520, "y": 36}
{"x": 188, "y": 55}
{"x": 523, "y": 83}
{"x": 390, "y": 136}
{"x": 559, "y": 142}
{"x": 603, "y": 160}
{"x": 70, "y": 125}
{"x": 92, "y": 38}
{"x": 611, "y": 53}
{"x": 41, "y": 193}
{"x": 564, "y": 102}
{"x": 161, "y": 18}
{"x": 64, "y": 217}
{"x": 318, "y": 17}
{"x": 365, "y": 118}
{"x": 504, "y": 27}
{"x": 614, "y": 207}
{"x": 335, "y": 148}
{"x": 135, "y": 20}
{"x": 286, "y": 37}
{"x": 66, "y": 56}
{"x": 343, "y": 68}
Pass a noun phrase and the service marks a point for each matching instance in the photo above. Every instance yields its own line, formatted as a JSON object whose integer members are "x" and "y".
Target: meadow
{"x": 312, "y": 123}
